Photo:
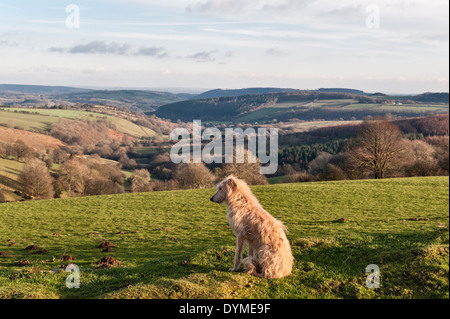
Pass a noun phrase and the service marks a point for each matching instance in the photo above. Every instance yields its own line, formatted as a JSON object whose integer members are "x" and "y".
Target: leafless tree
{"x": 36, "y": 180}
{"x": 194, "y": 176}
{"x": 377, "y": 148}
{"x": 73, "y": 176}
{"x": 140, "y": 182}
{"x": 21, "y": 150}
{"x": 248, "y": 171}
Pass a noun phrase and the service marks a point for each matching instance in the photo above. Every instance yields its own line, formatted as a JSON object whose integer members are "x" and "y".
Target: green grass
{"x": 183, "y": 246}
{"x": 45, "y": 117}
{"x": 27, "y": 121}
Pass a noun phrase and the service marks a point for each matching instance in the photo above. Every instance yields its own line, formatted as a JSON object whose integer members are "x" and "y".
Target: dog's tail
{"x": 252, "y": 267}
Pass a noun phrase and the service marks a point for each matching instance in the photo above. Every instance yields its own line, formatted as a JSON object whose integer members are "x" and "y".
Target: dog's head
{"x": 224, "y": 188}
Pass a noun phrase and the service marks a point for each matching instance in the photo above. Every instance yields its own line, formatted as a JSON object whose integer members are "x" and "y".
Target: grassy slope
{"x": 50, "y": 116}
{"x": 211, "y": 110}
{"x": 184, "y": 246}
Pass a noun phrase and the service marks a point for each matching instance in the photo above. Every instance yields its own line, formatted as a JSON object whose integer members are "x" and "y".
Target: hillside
{"x": 42, "y": 119}
{"x": 432, "y": 98}
{"x": 142, "y": 100}
{"x": 239, "y": 92}
{"x": 39, "y": 89}
{"x": 34, "y": 140}
{"x": 178, "y": 244}
{"x": 305, "y": 105}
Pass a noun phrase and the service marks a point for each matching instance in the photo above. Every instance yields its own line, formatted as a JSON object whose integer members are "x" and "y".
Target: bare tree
{"x": 2, "y": 196}
{"x": 248, "y": 171}
{"x": 36, "y": 180}
{"x": 378, "y": 148}
{"x": 194, "y": 176}
{"x": 21, "y": 150}
{"x": 140, "y": 182}
{"x": 73, "y": 176}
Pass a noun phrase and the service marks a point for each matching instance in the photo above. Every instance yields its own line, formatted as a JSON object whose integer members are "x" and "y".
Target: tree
{"x": 194, "y": 176}
{"x": 250, "y": 172}
{"x": 73, "y": 176}
{"x": 2, "y": 196}
{"x": 36, "y": 180}
{"x": 140, "y": 181}
{"x": 377, "y": 147}
{"x": 101, "y": 186}
{"x": 59, "y": 156}
{"x": 21, "y": 150}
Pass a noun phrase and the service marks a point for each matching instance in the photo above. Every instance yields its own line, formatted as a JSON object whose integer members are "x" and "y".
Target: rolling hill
{"x": 40, "y": 89}
{"x": 41, "y": 120}
{"x": 38, "y": 95}
{"x": 142, "y": 100}
{"x": 239, "y": 92}
{"x": 305, "y": 105}
{"x": 179, "y": 245}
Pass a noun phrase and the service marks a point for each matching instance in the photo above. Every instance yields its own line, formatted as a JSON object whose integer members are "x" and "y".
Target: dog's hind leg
{"x": 252, "y": 266}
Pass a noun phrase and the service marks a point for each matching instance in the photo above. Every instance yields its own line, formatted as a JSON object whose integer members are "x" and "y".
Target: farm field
{"x": 39, "y": 142}
{"x": 46, "y": 117}
{"x": 179, "y": 245}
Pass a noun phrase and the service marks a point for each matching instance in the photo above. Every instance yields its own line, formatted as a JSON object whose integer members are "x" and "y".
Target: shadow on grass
{"x": 412, "y": 265}
{"x": 162, "y": 273}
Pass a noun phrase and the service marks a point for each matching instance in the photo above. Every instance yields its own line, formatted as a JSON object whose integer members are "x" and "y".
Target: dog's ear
{"x": 231, "y": 182}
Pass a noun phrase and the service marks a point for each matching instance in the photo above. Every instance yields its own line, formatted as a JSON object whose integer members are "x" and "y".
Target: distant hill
{"x": 432, "y": 98}
{"x": 40, "y": 89}
{"x": 287, "y": 106}
{"x": 341, "y": 90}
{"x": 144, "y": 100}
{"x": 239, "y": 92}
{"x": 38, "y": 95}
{"x": 242, "y": 108}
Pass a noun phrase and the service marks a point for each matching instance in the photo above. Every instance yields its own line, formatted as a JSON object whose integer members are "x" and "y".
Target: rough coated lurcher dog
{"x": 269, "y": 252}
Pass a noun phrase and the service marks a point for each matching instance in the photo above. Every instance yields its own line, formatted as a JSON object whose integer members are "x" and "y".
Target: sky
{"x": 390, "y": 46}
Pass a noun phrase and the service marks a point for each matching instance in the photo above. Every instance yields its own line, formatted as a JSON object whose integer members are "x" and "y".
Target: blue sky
{"x": 305, "y": 44}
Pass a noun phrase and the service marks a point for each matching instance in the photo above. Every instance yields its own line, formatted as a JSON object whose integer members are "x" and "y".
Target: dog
{"x": 269, "y": 252}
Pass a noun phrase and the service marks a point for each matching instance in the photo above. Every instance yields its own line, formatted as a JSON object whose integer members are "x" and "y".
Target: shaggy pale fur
{"x": 269, "y": 252}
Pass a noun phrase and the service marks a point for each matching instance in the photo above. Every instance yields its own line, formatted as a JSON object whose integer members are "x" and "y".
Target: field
{"x": 284, "y": 107}
{"x": 178, "y": 244}
{"x": 37, "y": 141}
{"x": 45, "y": 117}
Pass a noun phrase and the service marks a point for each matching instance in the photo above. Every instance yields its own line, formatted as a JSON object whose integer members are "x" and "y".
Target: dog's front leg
{"x": 239, "y": 252}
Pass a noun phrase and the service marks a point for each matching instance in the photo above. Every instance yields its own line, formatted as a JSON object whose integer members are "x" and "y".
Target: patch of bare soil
{"x": 67, "y": 258}
{"x": 108, "y": 262}
{"x": 39, "y": 252}
{"x": 21, "y": 263}
{"x": 106, "y": 244}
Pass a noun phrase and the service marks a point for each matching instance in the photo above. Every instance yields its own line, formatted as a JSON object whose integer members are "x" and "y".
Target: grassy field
{"x": 280, "y": 108}
{"x": 178, "y": 244}
{"x": 47, "y": 117}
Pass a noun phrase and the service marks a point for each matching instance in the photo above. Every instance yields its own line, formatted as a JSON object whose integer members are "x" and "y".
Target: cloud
{"x": 247, "y": 6}
{"x": 153, "y": 52}
{"x": 102, "y": 47}
{"x": 274, "y": 52}
{"x": 8, "y": 43}
{"x": 204, "y": 56}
